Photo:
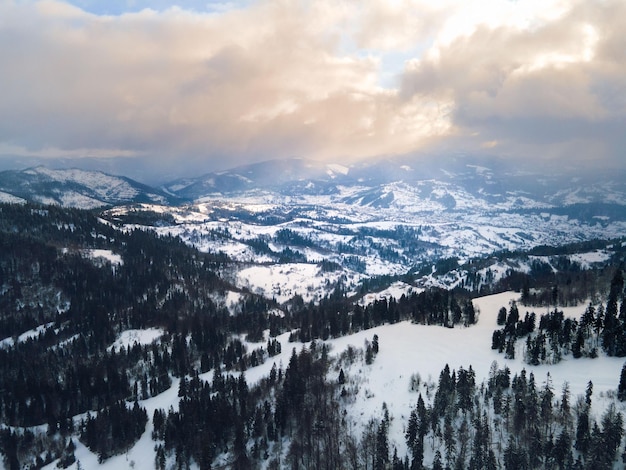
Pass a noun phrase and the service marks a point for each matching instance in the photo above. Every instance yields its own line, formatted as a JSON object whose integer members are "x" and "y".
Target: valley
{"x": 311, "y": 320}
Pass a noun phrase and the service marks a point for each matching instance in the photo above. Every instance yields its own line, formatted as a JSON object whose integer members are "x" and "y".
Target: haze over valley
{"x": 307, "y": 235}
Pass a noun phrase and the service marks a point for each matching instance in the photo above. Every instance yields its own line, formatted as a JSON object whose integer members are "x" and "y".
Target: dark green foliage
{"x": 164, "y": 283}
{"x": 621, "y": 388}
{"x": 501, "y": 320}
{"x": 515, "y": 458}
{"x": 85, "y": 302}
{"x": 557, "y": 336}
{"x": 114, "y": 429}
{"x": 417, "y": 429}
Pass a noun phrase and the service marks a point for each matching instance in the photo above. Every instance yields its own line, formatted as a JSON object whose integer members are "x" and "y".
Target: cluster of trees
{"x": 114, "y": 429}
{"x": 49, "y": 280}
{"x": 337, "y": 316}
{"x": 398, "y": 245}
{"x": 602, "y": 327}
{"x": 511, "y": 424}
{"x": 225, "y": 416}
{"x": 295, "y": 417}
{"x": 553, "y": 278}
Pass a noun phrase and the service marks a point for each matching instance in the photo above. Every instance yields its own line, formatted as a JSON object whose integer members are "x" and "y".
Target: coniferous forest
{"x": 63, "y": 381}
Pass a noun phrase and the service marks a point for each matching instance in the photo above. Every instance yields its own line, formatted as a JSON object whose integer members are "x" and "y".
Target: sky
{"x": 210, "y": 85}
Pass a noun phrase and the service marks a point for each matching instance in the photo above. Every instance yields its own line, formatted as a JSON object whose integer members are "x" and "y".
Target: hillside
{"x": 298, "y": 222}
{"x": 408, "y": 365}
{"x": 174, "y": 365}
{"x": 76, "y": 188}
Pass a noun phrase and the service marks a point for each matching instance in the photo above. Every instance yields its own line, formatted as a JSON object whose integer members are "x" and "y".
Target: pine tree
{"x": 611, "y": 329}
{"x": 612, "y": 431}
{"x": 547, "y": 396}
{"x": 565, "y": 408}
{"x": 375, "y": 345}
{"x": 578, "y": 344}
{"x": 510, "y": 348}
{"x": 437, "y": 463}
{"x": 382, "y": 446}
{"x": 588, "y": 318}
{"x": 514, "y": 456}
{"x": 416, "y": 431}
{"x": 501, "y": 320}
{"x": 583, "y": 436}
{"x": 241, "y": 460}
{"x": 512, "y": 319}
{"x": 562, "y": 452}
{"x": 621, "y": 388}
{"x": 588, "y": 393}
{"x": 369, "y": 353}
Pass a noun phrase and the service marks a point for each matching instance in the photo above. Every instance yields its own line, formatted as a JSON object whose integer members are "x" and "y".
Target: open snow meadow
{"x": 408, "y": 364}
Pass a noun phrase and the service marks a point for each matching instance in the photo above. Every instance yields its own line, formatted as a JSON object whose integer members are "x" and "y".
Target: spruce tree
{"x": 382, "y": 446}
{"x": 501, "y": 320}
{"x": 621, "y": 389}
{"x": 437, "y": 463}
{"x": 583, "y": 436}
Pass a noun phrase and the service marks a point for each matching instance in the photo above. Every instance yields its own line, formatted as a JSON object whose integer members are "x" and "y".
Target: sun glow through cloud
{"x": 328, "y": 80}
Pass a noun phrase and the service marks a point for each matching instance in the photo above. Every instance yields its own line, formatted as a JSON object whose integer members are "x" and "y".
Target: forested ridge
{"x": 63, "y": 304}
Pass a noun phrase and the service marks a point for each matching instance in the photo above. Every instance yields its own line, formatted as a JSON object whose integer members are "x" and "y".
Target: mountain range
{"x": 76, "y": 188}
{"x": 278, "y": 219}
{"x": 224, "y": 321}
{"x": 449, "y": 184}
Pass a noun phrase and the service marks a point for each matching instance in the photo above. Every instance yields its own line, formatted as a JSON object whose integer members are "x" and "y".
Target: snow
{"x": 477, "y": 226}
{"x": 283, "y": 281}
{"x": 405, "y": 349}
{"x": 104, "y": 186}
{"x": 10, "y": 198}
{"x": 9, "y": 342}
{"x": 588, "y": 259}
{"x": 130, "y": 337}
{"x": 396, "y": 290}
{"x": 232, "y": 301}
{"x": 75, "y": 199}
{"x": 336, "y": 168}
{"x": 108, "y": 255}
{"x": 141, "y": 455}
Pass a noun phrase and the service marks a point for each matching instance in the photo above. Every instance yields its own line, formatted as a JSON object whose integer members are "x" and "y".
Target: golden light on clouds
{"x": 323, "y": 79}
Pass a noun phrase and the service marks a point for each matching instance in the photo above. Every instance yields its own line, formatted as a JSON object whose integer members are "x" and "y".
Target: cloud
{"x": 281, "y": 78}
{"x": 551, "y": 86}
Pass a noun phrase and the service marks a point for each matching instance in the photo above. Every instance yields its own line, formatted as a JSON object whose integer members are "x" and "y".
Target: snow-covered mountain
{"x": 76, "y": 188}
{"x": 279, "y": 175}
{"x": 451, "y": 183}
{"x": 147, "y": 325}
{"x": 300, "y": 227}
{"x": 288, "y": 221}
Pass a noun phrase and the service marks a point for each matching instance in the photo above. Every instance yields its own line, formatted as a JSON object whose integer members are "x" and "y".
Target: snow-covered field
{"x": 371, "y": 232}
{"x": 405, "y": 349}
{"x": 129, "y": 337}
{"x": 283, "y": 281}
{"x": 107, "y": 255}
{"x": 9, "y": 342}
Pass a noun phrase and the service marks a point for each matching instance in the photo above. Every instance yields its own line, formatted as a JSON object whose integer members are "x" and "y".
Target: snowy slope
{"x": 441, "y": 181}
{"x": 366, "y": 240}
{"x": 405, "y": 349}
{"x": 77, "y": 188}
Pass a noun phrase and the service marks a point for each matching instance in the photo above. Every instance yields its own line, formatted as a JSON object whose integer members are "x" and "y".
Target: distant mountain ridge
{"x": 450, "y": 183}
{"x": 77, "y": 188}
{"x": 430, "y": 184}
